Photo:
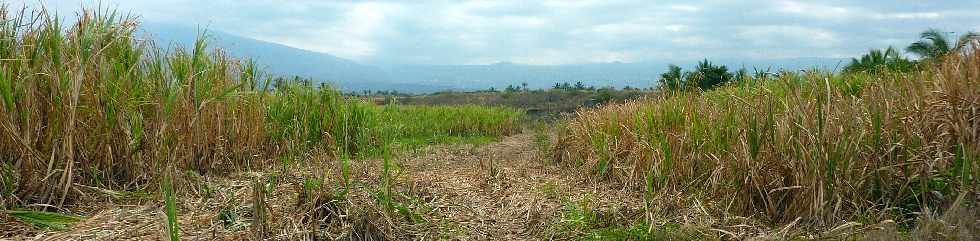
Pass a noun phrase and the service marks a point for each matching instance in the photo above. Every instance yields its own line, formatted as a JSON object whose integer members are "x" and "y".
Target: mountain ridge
{"x": 349, "y": 75}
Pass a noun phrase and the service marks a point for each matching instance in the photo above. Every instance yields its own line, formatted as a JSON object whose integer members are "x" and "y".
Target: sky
{"x": 562, "y": 31}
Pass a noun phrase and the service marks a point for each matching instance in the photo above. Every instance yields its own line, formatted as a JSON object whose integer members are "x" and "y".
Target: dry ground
{"x": 497, "y": 191}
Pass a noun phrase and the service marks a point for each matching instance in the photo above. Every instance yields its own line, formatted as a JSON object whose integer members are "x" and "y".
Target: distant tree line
{"x": 568, "y": 87}
{"x": 280, "y": 82}
{"x": 561, "y": 86}
{"x": 932, "y": 46}
{"x": 514, "y": 88}
{"x": 704, "y": 76}
{"x": 378, "y": 93}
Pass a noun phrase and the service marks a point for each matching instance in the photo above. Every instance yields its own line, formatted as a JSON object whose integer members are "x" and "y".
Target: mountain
{"x": 283, "y": 60}
{"x": 350, "y": 75}
{"x": 616, "y": 74}
{"x": 500, "y": 75}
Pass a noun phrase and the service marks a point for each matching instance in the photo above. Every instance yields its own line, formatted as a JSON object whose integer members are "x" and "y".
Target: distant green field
{"x": 420, "y": 125}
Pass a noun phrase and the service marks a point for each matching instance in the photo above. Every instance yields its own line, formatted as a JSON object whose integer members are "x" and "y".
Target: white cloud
{"x": 812, "y": 9}
{"x": 624, "y": 28}
{"x": 690, "y": 41}
{"x": 778, "y": 35}
{"x": 560, "y": 31}
{"x": 907, "y": 15}
{"x": 562, "y": 56}
{"x": 676, "y": 27}
{"x": 684, "y": 7}
{"x": 354, "y": 36}
{"x": 571, "y": 4}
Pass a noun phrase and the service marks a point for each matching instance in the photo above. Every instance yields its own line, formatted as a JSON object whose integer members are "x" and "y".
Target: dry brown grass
{"x": 810, "y": 151}
{"x": 443, "y": 185}
{"x": 97, "y": 105}
{"x": 95, "y": 115}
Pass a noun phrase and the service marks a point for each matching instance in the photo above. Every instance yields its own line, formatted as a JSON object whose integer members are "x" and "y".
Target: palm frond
{"x": 922, "y": 49}
{"x": 938, "y": 39}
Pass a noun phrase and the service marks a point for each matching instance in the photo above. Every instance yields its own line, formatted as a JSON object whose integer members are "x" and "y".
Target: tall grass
{"x": 93, "y": 103}
{"x": 818, "y": 146}
{"x": 309, "y": 117}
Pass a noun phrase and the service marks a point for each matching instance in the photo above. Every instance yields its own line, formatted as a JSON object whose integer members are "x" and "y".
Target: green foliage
{"x": 602, "y": 95}
{"x": 385, "y": 195}
{"x": 673, "y": 79}
{"x": 550, "y": 189}
{"x": 580, "y": 222}
{"x": 877, "y": 60}
{"x": 321, "y": 117}
{"x": 542, "y": 141}
{"x": 742, "y": 74}
{"x": 110, "y": 107}
{"x": 643, "y": 231}
{"x": 934, "y": 44}
{"x": 709, "y": 76}
{"x": 387, "y": 180}
{"x": 313, "y": 115}
{"x": 705, "y": 76}
{"x": 227, "y": 217}
{"x": 419, "y": 125}
{"x": 46, "y": 220}
{"x": 576, "y": 218}
{"x": 173, "y": 229}
{"x": 345, "y": 180}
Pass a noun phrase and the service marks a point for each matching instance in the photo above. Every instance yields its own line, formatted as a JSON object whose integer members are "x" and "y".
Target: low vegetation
{"x": 92, "y": 104}
{"x": 542, "y": 104}
{"x": 816, "y": 150}
{"x": 209, "y": 146}
{"x": 413, "y": 125}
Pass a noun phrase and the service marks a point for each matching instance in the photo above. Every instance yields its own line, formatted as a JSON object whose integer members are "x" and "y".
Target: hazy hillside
{"x": 537, "y": 76}
{"x": 617, "y": 74}
{"x": 285, "y": 60}
{"x": 353, "y": 76}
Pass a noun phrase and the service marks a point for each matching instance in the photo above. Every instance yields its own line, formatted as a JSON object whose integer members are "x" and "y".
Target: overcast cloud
{"x": 558, "y": 32}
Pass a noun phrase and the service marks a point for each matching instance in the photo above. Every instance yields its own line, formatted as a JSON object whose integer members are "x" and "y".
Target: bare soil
{"x": 503, "y": 190}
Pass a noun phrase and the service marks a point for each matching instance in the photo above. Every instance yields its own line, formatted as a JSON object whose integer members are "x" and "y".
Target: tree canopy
{"x": 876, "y": 59}
{"x": 705, "y": 76}
{"x": 934, "y": 44}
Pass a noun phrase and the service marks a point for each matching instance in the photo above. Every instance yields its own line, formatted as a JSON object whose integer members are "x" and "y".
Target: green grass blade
{"x": 45, "y": 220}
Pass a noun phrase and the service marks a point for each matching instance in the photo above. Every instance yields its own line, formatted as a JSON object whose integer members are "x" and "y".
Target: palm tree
{"x": 673, "y": 78}
{"x": 877, "y": 59}
{"x": 933, "y": 44}
{"x": 708, "y": 76}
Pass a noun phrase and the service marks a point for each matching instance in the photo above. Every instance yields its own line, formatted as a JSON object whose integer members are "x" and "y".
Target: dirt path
{"x": 505, "y": 190}
{"x": 502, "y": 190}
